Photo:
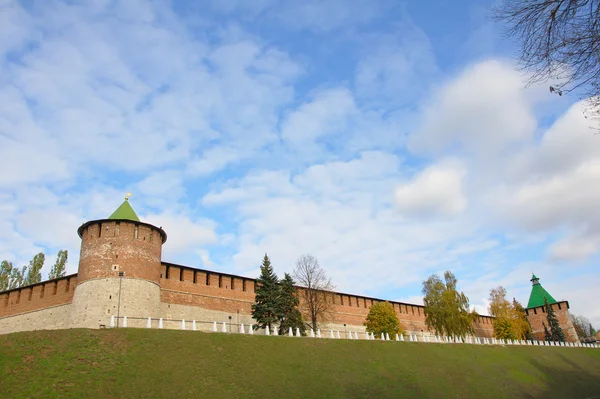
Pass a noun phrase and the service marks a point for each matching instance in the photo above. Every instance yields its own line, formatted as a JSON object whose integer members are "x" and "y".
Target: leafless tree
{"x": 583, "y": 327}
{"x": 315, "y": 288}
{"x": 559, "y": 40}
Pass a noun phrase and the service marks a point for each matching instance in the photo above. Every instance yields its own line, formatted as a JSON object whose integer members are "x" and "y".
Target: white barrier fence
{"x": 225, "y": 327}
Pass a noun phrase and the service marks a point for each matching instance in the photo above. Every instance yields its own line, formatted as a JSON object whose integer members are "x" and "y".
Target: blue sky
{"x": 390, "y": 140}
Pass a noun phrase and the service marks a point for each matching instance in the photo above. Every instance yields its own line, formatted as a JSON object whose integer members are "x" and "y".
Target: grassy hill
{"x": 137, "y": 363}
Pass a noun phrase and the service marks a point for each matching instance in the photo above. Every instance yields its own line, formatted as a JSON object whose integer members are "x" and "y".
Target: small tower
{"x": 538, "y": 293}
{"x": 119, "y": 269}
{"x": 536, "y": 312}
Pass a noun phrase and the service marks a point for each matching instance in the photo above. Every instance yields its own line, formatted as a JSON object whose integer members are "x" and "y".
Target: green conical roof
{"x": 538, "y": 293}
{"x": 125, "y": 212}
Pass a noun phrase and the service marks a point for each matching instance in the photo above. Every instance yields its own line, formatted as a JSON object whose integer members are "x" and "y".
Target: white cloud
{"x": 208, "y": 122}
{"x": 562, "y": 200}
{"x": 183, "y": 234}
{"x": 165, "y": 184}
{"x": 396, "y": 68}
{"x": 482, "y": 110}
{"x": 319, "y": 16}
{"x": 574, "y": 248}
{"x": 327, "y": 113}
{"x": 437, "y": 190}
{"x": 214, "y": 159}
{"x": 341, "y": 212}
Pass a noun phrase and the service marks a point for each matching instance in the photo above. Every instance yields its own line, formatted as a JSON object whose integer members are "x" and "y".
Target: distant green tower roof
{"x": 125, "y": 212}
{"x": 538, "y": 293}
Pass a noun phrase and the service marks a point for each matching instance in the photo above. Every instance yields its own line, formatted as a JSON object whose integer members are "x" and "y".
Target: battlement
{"x": 121, "y": 272}
{"x": 537, "y": 318}
{"x": 37, "y": 296}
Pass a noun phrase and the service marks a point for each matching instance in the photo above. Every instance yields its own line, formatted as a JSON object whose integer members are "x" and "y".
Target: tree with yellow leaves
{"x": 510, "y": 319}
{"x": 383, "y": 319}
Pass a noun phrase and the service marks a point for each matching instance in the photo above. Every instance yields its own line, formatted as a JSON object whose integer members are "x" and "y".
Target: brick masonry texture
{"x": 38, "y": 296}
{"x": 538, "y": 317}
{"x": 149, "y": 287}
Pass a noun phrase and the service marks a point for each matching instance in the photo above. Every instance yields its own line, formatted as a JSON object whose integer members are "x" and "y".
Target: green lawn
{"x": 137, "y": 363}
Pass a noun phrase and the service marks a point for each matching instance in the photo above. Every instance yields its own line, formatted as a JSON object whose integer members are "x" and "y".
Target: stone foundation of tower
{"x": 98, "y": 299}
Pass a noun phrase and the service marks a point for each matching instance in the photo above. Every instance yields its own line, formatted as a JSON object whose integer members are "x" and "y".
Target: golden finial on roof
{"x": 127, "y": 196}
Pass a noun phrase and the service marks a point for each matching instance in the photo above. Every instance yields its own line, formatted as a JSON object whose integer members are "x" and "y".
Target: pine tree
{"x": 383, "y": 319}
{"x": 290, "y": 316}
{"x": 547, "y": 334}
{"x": 34, "y": 274}
{"x": 59, "y": 268}
{"x": 266, "y": 310}
{"x": 556, "y": 333}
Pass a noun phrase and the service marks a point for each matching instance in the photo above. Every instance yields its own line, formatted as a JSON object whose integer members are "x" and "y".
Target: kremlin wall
{"x": 121, "y": 273}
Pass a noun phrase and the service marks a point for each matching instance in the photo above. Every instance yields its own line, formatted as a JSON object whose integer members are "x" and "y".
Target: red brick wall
{"x": 179, "y": 288}
{"x": 353, "y": 310}
{"x": 108, "y": 247}
{"x": 38, "y": 296}
{"x": 537, "y": 316}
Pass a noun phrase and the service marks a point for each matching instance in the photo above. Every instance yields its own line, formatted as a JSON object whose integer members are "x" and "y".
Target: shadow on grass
{"x": 575, "y": 383}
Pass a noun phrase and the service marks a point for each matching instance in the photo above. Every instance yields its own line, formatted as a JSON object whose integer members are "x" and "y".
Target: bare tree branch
{"x": 559, "y": 40}
{"x": 315, "y": 287}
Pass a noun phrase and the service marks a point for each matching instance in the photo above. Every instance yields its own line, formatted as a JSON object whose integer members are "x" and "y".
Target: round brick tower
{"x": 119, "y": 270}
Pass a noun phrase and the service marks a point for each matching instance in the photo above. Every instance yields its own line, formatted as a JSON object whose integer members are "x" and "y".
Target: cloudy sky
{"x": 390, "y": 140}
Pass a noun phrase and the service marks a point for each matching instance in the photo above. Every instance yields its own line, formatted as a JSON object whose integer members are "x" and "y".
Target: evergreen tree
{"x": 265, "y": 309}
{"x": 290, "y": 316}
{"x": 59, "y": 268}
{"x": 34, "y": 274}
{"x": 547, "y": 334}
{"x": 556, "y": 333}
{"x": 383, "y": 319}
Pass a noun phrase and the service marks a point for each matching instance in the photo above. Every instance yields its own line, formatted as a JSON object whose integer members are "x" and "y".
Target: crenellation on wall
{"x": 37, "y": 296}
{"x": 121, "y": 273}
{"x": 538, "y": 317}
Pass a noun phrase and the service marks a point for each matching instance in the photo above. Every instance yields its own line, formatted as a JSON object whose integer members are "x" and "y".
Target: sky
{"x": 390, "y": 140}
